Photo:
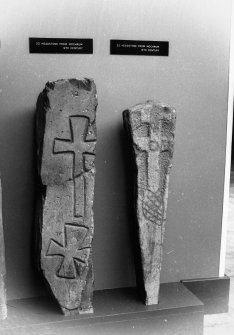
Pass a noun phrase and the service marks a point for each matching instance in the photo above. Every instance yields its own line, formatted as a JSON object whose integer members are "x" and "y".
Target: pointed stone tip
{"x": 152, "y": 300}
{"x": 77, "y": 311}
{"x": 86, "y": 311}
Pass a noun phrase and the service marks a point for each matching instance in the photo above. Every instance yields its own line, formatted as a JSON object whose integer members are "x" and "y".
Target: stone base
{"x": 213, "y": 292}
{"x": 117, "y": 311}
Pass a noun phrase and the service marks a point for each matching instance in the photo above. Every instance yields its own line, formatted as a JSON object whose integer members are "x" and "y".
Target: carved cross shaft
{"x": 151, "y": 145}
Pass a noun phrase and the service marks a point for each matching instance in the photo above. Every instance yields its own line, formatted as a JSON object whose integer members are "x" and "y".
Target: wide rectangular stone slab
{"x": 3, "y": 307}
{"x": 66, "y": 141}
{"x": 150, "y": 129}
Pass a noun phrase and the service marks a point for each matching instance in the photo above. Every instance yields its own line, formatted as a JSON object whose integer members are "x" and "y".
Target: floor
{"x": 223, "y": 324}
{"x": 217, "y": 324}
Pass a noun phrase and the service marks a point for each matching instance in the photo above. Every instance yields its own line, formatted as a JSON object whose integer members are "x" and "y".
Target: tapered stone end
{"x": 76, "y": 311}
{"x": 152, "y": 291}
{"x": 150, "y": 129}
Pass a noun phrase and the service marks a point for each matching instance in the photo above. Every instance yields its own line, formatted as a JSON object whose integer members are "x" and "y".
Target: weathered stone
{"x": 66, "y": 141}
{"x": 3, "y": 308}
{"x": 150, "y": 129}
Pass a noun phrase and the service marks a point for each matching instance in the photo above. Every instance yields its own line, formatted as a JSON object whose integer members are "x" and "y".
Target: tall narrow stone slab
{"x": 66, "y": 141}
{"x": 150, "y": 128}
{"x": 3, "y": 308}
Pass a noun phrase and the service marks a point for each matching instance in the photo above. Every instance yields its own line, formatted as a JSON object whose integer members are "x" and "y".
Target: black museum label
{"x": 139, "y": 48}
{"x": 60, "y": 45}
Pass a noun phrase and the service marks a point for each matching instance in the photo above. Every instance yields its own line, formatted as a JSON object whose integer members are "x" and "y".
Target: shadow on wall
{"x": 18, "y": 168}
{"x": 112, "y": 240}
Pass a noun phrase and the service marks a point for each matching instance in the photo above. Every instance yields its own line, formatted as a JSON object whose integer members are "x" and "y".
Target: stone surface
{"x": 3, "y": 308}
{"x": 66, "y": 140}
{"x": 150, "y": 129}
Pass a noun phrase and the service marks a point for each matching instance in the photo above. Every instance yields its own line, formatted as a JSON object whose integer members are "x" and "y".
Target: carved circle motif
{"x": 153, "y": 145}
{"x": 152, "y": 206}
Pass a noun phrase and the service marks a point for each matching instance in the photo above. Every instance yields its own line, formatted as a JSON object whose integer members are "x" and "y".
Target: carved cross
{"x": 78, "y": 145}
{"x": 150, "y": 143}
{"x": 74, "y": 250}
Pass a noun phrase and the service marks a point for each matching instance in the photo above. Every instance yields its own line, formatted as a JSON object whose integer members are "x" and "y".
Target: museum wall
{"x": 193, "y": 79}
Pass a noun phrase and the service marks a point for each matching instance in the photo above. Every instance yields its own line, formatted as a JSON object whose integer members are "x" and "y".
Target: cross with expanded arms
{"x": 75, "y": 248}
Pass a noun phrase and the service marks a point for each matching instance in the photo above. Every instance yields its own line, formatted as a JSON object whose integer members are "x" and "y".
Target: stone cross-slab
{"x": 3, "y": 307}
{"x": 150, "y": 129}
{"x": 66, "y": 140}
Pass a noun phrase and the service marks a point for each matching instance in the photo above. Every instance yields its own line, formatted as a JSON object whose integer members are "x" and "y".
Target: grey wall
{"x": 193, "y": 79}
